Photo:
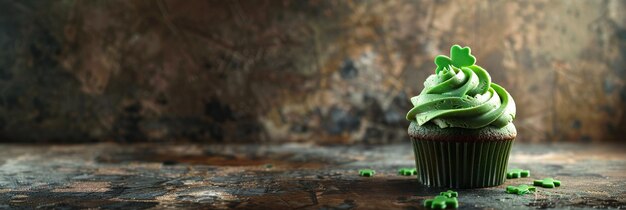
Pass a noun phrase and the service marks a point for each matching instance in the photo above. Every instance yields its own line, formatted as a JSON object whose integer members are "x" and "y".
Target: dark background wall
{"x": 275, "y": 71}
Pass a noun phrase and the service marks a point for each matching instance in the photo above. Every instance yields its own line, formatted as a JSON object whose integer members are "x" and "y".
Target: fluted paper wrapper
{"x": 461, "y": 164}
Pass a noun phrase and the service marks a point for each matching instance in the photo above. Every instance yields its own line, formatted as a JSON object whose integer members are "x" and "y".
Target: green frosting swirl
{"x": 461, "y": 94}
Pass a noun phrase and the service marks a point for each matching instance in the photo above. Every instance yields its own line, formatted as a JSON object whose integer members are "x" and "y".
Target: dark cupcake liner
{"x": 461, "y": 164}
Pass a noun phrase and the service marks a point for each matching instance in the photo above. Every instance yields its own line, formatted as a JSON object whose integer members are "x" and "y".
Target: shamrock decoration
{"x": 459, "y": 57}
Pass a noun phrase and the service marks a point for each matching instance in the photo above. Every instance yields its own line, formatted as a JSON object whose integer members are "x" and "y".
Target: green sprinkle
{"x": 407, "y": 171}
{"x": 547, "y": 183}
{"x": 517, "y": 173}
{"x": 450, "y": 194}
{"x": 441, "y": 202}
{"x": 520, "y": 189}
{"x": 367, "y": 172}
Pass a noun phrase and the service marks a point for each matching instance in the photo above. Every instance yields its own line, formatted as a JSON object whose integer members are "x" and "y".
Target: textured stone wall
{"x": 320, "y": 71}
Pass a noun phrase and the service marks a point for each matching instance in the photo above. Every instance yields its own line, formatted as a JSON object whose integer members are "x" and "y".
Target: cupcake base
{"x": 466, "y": 162}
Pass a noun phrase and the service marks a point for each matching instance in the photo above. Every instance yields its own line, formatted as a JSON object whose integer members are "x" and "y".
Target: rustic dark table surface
{"x": 287, "y": 176}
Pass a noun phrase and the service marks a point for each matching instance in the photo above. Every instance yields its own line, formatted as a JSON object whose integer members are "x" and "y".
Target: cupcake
{"x": 461, "y": 125}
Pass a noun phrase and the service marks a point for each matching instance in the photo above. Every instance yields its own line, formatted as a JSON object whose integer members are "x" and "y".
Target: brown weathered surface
{"x": 341, "y": 71}
{"x": 286, "y": 176}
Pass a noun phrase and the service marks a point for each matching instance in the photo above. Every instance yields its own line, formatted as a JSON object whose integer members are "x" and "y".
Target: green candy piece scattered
{"x": 517, "y": 173}
{"x": 367, "y": 172}
{"x": 450, "y": 194}
{"x": 441, "y": 202}
{"x": 407, "y": 171}
{"x": 520, "y": 189}
{"x": 547, "y": 183}
{"x": 459, "y": 57}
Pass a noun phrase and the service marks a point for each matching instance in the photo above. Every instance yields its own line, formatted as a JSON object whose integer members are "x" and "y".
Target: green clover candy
{"x": 459, "y": 57}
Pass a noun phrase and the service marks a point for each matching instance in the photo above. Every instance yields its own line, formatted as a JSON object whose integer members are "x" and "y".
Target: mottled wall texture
{"x": 284, "y": 71}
